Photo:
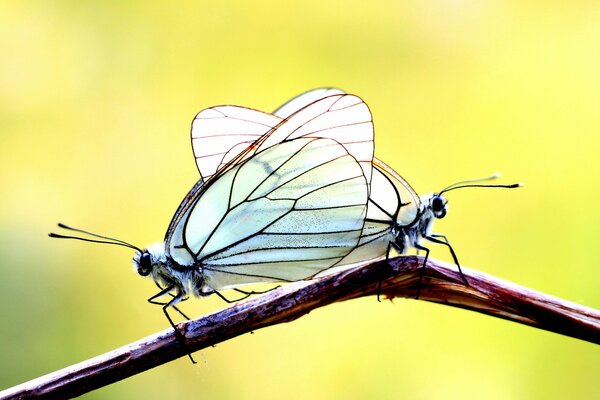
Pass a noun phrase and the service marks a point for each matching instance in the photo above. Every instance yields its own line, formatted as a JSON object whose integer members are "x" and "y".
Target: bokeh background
{"x": 96, "y": 100}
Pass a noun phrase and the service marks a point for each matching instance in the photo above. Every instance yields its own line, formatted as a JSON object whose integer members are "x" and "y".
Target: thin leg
{"x": 422, "y": 271}
{"x": 164, "y": 292}
{"x": 250, "y": 293}
{"x": 246, "y": 294}
{"x": 387, "y": 257}
{"x": 441, "y": 239}
{"x": 171, "y": 303}
{"x": 225, "y": 299}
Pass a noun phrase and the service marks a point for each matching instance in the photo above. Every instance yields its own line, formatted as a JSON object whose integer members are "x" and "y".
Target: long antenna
{"x": 107, "y": 239}
{"x": 473, "y": 183}
{"x": 495, "y": 175}
{"x": 452, "y": 187}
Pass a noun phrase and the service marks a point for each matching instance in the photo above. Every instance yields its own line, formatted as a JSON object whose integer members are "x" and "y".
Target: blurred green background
{"x": 96, "y": 100}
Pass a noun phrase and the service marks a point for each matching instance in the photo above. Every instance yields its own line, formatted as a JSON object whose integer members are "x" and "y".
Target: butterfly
{"x": 397, "y": 217}
{"x": 279, "y": 200}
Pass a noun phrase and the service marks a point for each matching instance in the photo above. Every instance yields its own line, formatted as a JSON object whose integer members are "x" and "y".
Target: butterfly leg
{"x": 251, "y": 292}
{"x": 164, "y": 292}
{"x": 225, "y": 299}
{"x": 422, "y": 271}
{"x": 171, "y": 303}
{"x": 387, "y": 257}
{"x": 442, "y": 239}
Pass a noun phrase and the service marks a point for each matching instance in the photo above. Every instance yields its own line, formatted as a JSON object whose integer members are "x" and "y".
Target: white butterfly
{"x": 397, "y": 218}
{"x": 283, "y": 208}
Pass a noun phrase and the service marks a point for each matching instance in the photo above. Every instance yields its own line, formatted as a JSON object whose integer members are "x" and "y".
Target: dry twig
{"x": 397, "y": 278}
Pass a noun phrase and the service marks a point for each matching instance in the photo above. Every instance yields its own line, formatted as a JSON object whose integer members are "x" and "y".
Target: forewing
{"x": 303, "y": 100}
{"x": 344, "y": 118}
{"x": 383, "y": 206}
{"x": 233, "y": 135}
{"x": 226, "y": 135}
{"x": 221, "y": 133}
{"x": 408, "y": 198}
{"x": 290, "y": 211}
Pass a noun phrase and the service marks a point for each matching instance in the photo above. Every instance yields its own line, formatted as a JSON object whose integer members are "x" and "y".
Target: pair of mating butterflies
{"x": 283, "y": 197}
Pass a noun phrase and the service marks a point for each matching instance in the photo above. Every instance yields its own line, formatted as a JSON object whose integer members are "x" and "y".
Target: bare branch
{"x": 394, "y": 278}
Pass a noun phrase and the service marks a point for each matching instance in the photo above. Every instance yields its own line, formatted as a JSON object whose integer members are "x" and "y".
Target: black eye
{"x": 145, "y": 264}
{"x": 437, "y": 205}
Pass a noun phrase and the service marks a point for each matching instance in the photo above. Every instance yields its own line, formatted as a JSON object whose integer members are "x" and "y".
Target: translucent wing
{"x": 391, "y": 200}
{"x": 284, "y": 214}
{"x": 304, "y": 99}
{"x": 197, "y": 235}
{"x": 225, "y": 135}
{"x": 406, "y": 195}
{"x": 223, "y": 132}
{"x": 387, "y": 187}
{"x": 391, "y": 197}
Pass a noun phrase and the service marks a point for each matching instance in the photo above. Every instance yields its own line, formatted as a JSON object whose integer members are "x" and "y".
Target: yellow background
{"x": 96, "y": 100}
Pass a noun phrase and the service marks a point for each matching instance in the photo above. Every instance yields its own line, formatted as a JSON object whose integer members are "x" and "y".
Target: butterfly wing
{"x": 406, "y": 196}
{"x": 225, "y": 135}
{"x": 304, "y": 99}
{"x": 391, "y": 200}
{"x": 284, "y": 214}
{"x": 220, "y": 133}
{"x": 391, "y": 197}
{"x": 201, "y": 213}
{"x": 389, "y": 185}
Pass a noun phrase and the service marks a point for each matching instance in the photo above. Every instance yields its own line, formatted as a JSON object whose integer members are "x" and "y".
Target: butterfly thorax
{"x": 432, "y": 206}
{"x": 166, "y": 272}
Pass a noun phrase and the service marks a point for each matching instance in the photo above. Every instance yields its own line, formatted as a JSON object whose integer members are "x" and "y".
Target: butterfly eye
{"x": 437, "y": 204}
{"x": 145, "y": 264}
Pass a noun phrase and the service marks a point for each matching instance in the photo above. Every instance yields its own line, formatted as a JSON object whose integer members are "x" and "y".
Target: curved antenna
{"x": 107, "y": 239}
{"x": 495, "y": 175}
{"x": 474, "y": 183}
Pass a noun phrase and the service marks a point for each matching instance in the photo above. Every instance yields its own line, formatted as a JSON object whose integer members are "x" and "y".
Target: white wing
{"x": 284, "y": 214}
{"x": 390, "y": 186}
{"x": 304, "y": 99}
{"x": 391, "y": 199}
{"x": 222, "y": 135}
{"x": 233, "y": 226}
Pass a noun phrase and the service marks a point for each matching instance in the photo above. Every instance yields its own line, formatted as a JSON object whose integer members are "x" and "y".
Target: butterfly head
{"x": 145, "y": 262}
{"x": 149, "y": 260}
{"x": 436, "y": 204}
{"x": 433, "y": 206}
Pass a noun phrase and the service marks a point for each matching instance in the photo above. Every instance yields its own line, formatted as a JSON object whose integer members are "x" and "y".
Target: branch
{"x": 393, "y": 278}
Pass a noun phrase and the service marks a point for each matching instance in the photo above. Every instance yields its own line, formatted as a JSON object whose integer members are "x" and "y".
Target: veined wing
{"x": 225, "y": 135}
{"x": 391, "y": 200}
{"x": 284, "y": 214}
{"x": 220, "y": 133}
{"x": 304, "y": 99}
{"x": 408, "y": 199}
{"x": 322, "y": 119}
{"x": 383, "y": 197}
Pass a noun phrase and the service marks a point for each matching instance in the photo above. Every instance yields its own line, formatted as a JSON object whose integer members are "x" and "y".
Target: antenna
{"x": 474, "y": 183}
{"x": 107, "y": 239}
